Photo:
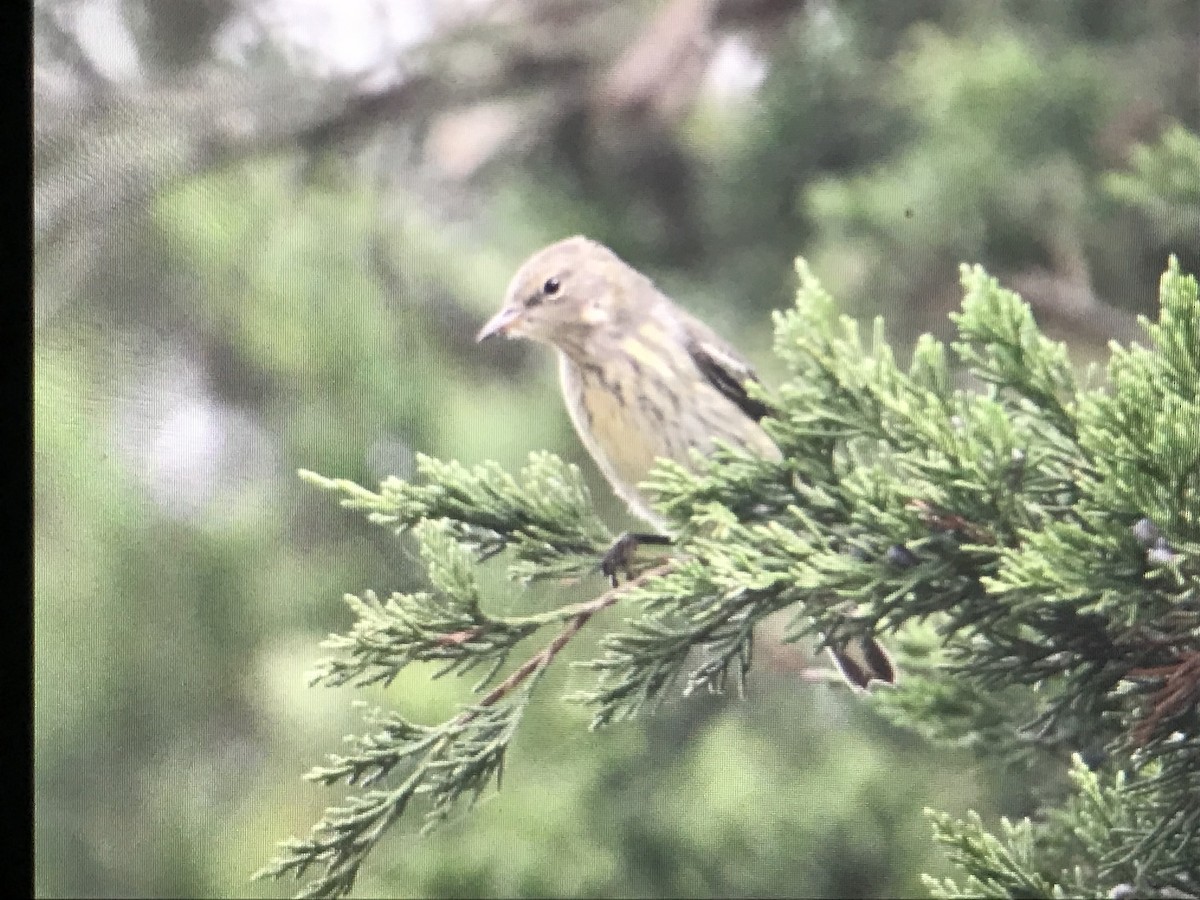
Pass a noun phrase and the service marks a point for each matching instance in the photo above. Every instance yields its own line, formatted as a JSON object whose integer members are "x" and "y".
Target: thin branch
{"x": 1070, "y": 303}
{"x": 583, "y": 612}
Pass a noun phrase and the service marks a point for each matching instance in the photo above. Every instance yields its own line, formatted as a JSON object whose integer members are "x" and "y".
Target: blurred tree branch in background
{"x": 604, "y": 87}
{"x": 105, "y": 145}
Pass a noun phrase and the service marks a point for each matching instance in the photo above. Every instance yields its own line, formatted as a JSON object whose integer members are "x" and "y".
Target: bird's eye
{"x": 550, "y": 288}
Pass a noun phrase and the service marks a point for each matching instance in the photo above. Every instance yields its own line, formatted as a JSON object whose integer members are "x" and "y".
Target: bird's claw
{"x": 619, "y": 557}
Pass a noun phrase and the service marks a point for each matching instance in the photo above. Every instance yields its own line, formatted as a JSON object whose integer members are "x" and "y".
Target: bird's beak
{"x": 500, "y": 323}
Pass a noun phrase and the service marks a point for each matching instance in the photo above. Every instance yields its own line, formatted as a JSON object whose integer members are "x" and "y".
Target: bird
{"x": 642, "y": 379}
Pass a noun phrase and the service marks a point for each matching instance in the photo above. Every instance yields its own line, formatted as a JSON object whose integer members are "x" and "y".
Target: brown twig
{"x": 943, "y": 520}
{"x": 457, "y": 638}
{"x": 545, "y": 656}
{"x": 660, "y": 73}
{"x": 1180, "y": 688}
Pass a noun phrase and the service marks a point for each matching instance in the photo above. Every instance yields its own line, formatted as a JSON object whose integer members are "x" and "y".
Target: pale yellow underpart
{"x": 647, "y": 357}
{"x": 625, "y": 439}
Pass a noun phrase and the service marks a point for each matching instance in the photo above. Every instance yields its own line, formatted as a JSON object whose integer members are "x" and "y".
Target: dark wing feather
{"x": 727, "y": 373}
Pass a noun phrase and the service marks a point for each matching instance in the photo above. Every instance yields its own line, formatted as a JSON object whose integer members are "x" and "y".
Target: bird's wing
{"x": 723, "y": 367}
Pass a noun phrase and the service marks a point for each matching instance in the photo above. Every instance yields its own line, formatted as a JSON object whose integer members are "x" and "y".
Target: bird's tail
{"x": 862, "y": 661}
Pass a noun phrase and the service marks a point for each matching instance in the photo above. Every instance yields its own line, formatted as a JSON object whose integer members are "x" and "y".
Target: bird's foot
{"x": 619, "y": 557}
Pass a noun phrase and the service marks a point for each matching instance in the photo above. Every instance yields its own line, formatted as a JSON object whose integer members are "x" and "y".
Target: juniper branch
{"x": 459, "y": 756}
{"x": 544, "y": 514}
{"x": 579, "y": 615}
{"x": 1045, "y": 535}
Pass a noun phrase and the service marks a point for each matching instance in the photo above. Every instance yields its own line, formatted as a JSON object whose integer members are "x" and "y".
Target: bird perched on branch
{"x": 643, "y": 379}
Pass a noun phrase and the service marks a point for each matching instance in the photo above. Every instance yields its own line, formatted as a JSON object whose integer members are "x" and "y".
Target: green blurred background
{"x": 266, "y": 233}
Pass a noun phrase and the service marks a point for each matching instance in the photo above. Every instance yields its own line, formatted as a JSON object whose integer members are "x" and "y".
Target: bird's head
{"x": 564, "y": 293}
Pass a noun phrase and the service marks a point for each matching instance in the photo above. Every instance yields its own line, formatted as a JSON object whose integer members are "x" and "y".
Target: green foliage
{"x": 1002, "y": 345}
{"x": 1003, "y": 125}
{"x": 1164, "y": 184}
{"x": 544, "y": 515}
{"x": 1080, "y": 850}
{"x": 458, "y": 758}
{"x": 1003, "y": 864}
{"x": 446, "y": 625}
{"x": 328, "y": 304}
{"x": 1045, "y": 534}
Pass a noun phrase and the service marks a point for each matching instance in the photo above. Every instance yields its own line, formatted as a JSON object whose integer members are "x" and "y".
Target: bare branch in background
{"x": 659, "y": 75}
{"x": 499, "y": 82}
{"x": 1068, "y": 303}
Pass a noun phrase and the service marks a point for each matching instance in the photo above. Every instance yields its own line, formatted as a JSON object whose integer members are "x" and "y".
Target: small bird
{"x": 643, "y": 379}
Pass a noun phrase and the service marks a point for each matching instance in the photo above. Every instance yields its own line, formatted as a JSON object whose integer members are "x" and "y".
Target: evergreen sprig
{"x": 444, "y": 763}
{"x": 445, "y": 625}
{"x": 440, "y": 763}
{"x": 1034, "y": 543}
{"x": 544, "y": 514}
{"x": 1079, "y": 850}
